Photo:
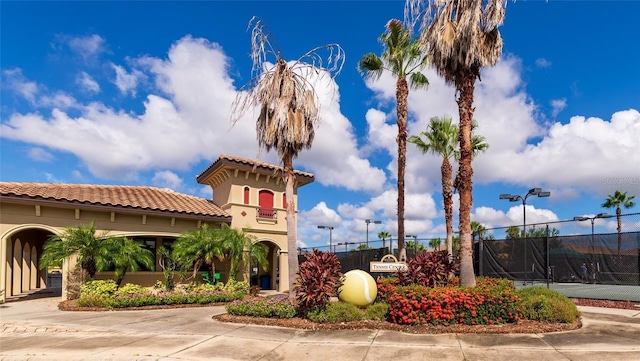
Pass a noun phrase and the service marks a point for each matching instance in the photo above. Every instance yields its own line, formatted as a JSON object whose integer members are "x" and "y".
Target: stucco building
{"x": 245, "y": 194}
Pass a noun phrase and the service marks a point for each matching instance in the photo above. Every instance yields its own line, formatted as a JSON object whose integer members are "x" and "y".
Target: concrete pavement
{"x": 37, "y": 330}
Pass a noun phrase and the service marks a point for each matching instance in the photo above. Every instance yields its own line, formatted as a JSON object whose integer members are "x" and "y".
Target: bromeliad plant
{"x": 427, "y": 269}
{"x": 319, "y": 278}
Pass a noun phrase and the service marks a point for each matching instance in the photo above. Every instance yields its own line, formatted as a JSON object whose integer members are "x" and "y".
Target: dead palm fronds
{"x": 289, "y": 105}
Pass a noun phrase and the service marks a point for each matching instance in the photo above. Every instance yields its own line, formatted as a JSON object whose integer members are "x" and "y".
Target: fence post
{"x": 547, "y": 266}
{"x": 481, "y": 256}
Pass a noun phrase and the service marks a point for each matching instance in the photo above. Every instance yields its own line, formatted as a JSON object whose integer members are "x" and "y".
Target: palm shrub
{"x": 319, "y": 278}
{"x": 543, "y": 304}
{"x": 429, "y": 269}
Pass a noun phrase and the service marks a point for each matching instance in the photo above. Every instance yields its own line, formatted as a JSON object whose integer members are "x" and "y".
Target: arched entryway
{"x": 269, "y": 278}
{"x": 23, "y": 249}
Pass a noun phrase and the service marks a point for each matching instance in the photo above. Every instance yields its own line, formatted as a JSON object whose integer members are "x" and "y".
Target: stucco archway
{"x": 22, "y": 247}
{"x": 269, "y": 278}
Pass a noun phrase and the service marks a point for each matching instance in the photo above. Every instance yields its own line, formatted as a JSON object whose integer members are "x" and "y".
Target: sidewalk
{"x": 37, "y": 330}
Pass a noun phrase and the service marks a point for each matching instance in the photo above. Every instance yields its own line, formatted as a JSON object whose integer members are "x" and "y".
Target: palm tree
{"x": 384, "y": 236}
{"x": 239, "y": 247}
{"x": 403, "y": 58}
{"x": 617, "y": 200}
{"x": 197, "y": 247}
{"x": 460, "y": 38}
{"x": 289, "y": 110}
{"x": 80, "y": 240}
{"x": 441, "y": 139}
{"x": 126, "y": 256}
{"x": 434, "y": 243}
{"x": 478, "y": 229}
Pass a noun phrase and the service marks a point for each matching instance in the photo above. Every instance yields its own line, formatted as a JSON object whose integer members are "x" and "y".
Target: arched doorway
{"x": 269, "y": 278}
{"x": 23, "y": 250}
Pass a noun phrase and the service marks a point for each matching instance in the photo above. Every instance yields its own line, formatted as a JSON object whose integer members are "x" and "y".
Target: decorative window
{"x": 265, "y": 201}
{"x": 246, "y": 195}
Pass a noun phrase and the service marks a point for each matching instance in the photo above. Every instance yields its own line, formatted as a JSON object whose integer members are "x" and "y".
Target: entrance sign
{"x": 388, "y": 263}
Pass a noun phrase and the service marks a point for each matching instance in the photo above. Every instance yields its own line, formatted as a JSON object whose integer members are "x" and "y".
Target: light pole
{"x": 415, "y": 242}
{"x": 367, "y": 221}
{"x": 330, "y": 232}
{"x": 592, "y": 219}
{"x": 514, "y": 198}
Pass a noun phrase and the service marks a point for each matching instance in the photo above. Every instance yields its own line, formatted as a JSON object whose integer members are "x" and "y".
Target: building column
{"x": 283, "y": 263}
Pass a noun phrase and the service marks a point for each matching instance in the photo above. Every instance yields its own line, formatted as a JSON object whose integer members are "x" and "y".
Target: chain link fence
{"x": 586, "y": 255}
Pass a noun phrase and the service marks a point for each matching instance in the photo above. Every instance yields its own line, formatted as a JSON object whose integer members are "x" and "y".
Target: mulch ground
{"x": 522, "y": 326}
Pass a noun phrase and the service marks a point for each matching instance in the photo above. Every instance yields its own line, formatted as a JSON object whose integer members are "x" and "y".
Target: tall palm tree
{"x": 441, "y": 138}
{"x": 403, "y": 58}
{"x": 197, "y": 247}
{"x": 289, "y": 110}
{"x": 460, "y": 38}
{"x": 80, "y": 240}
{"x": 384, "y": 236}
{"x": 126, "y": 256}
{"x": 618, "y": 200}
{"x": 434, "y": 243}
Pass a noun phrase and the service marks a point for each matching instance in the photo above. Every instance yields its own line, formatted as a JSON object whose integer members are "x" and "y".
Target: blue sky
{"x": 139, "y": 93}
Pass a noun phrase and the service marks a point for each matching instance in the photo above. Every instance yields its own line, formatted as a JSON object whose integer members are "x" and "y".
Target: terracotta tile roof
{"x": 303, "y": 177}
{"x": 140, "y": 198}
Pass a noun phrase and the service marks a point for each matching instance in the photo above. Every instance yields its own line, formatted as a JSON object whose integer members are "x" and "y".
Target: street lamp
{"x": 415, "y": 241}
{"x": 592, "y": 219}
{"x": 345, "y": 244}
{"x": 330, "y": 231}
{"x": 514, "y": 198}
{"x": 367, "y": 221}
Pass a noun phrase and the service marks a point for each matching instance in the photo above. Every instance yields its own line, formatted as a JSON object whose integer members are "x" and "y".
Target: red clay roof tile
{"x": 133, "y": 197}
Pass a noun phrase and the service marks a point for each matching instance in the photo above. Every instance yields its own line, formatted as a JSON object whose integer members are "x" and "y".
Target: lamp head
{"x": 505, "y": 196}
{"x": 514, "y": 198}
{"x": 322, "y": 227}
{"x": 534, "y": 191}
{"x": 543, "y": 194}
{"x": 603, "y": 215}
{"x": 580, "y": 219}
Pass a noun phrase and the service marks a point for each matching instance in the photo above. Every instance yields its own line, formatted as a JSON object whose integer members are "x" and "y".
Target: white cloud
{"x": 126, "y": 82}
{"x": 557, "y": 106}
{"x": 543, "y": 63}
{"x": 40, "y": 155}
{"x": 87, "y": 82}
{"x": 321, "y": 215}
{"x": 167, "y": 179}
{"x": 87, "y": 47}
{"x": 185, "y": 121}
{"x": 15, "y": 80}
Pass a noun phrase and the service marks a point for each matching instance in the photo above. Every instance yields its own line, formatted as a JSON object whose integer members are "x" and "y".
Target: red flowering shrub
{"x": 490, "y": 302}
{"x": 386, "y": 286}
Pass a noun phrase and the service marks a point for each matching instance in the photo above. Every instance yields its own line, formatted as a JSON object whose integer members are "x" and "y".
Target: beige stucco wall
{"x": 16, "y": 218}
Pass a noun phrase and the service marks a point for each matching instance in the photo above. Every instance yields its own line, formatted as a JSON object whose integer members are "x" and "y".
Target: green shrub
{"x": 132, "y": 289}
{"x": 97, "y": 293}
{"x": 273, "y": 307}
{"x": 336, "y": 312}
{"x": 543, "y": 304}
{"x": 99, "y": 288}
{"x": 318, "y": 279}
{"x": 234, "y": 286}
{"x": 377, "y": 312}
